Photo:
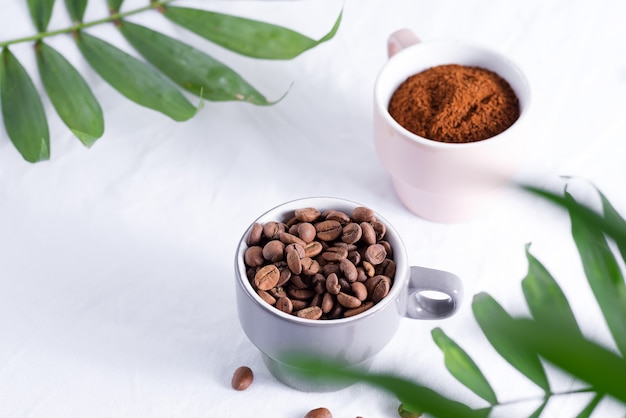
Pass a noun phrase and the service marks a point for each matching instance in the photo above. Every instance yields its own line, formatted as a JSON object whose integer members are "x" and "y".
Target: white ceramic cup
{"x": 445, "y": 182}
{"x": 354, "y": 340}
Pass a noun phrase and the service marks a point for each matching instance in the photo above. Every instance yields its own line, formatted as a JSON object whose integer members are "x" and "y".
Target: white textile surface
{"x": 116, "y": 262}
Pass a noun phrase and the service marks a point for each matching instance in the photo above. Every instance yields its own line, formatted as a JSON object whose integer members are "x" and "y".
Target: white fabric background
{"x": 116, "y": 263}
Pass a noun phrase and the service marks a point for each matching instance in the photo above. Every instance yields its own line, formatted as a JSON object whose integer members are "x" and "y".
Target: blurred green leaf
{"x": 40, "y": 12}
{"x": 135, "y": 79}
{"x": 571, "y": 352}
{"x": 603, "y": 274}
{"x": 613, "y": 217}
{"x": 413, "y": 396}
{"x": 190, "y": 68}
{"x": 544, "y": 297}
{"x": 591, "y": 406}
{"x": 70, "y": 95}
{"x": 594, "y": 220}
{"x": 114, "y": 5}
{"x": 539, "y": 410}
{"x": 22, "y": 110}
{"x": 462, "y": 367}
{"x": 246, "y": 36}
{"x": 488, "y": 314}
{"x": 76, "y": 9}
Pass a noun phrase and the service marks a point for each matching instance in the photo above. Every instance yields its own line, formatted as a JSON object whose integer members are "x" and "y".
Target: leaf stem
{"x": 79, "y": 26}
{"x": 546, "y": 396}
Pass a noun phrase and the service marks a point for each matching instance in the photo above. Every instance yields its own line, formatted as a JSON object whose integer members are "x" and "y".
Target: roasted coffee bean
{"x": 369, "y": 268}
{"x": 335, "y": 254}
{"x": 375, "y": 254}
{"x": 336, "y": 215}
{"x": 307, "y": 214}
{"x": 312, "y": 312}
{"x": 299, "y": 304}
{"x": 242, "y": 378}
{"x": 332, "y": 284}
{"x": 348, "y": 269}
{"x": 285, "y": 276}
{"x": 386, "y": 268}
{"x": 345, "y": 285}
{"x": 309, "y": 266}
{"x": 319, "y": 413}
{"x": 351, "y": 233}
{"x": 327, "y": 303}
{"x": 319, "y": 283}
{"x": 288, "y": 238}
{"x": 368, "y": 235}
{"x": 306, "y": 232}
{"x": 277, "y": 292}
{"x": 272, "y": 229}
{"x": 388, "y": 248}
{"x": 293, "y": 254}
{"x": 363, "y": 214}
{"x": 266, "y": 296}
{"x": 378, "y": 287}
{"x": 359, "y": 290}
{"x": 266, "y": 277}
{"x": 380, "y": 229}
{"x": 355, "y": 257}
{"x": 284, "y": 304}
{"x": 317, "y": 300}
{"x": 348, "y": 301}
{"x": 361, "y": 277}
{"x": 253, "y": 257}
{"x": 364, "y": 307}
{"x": 330, "y": 268}
{"x": 255, "y": 235}
{"x": 336, "y": 311}
{"x": 328, "y": 230}
{"x": 300, "y": 294}
{"x": 297, "y": 281}
{"x": 312, "y": 249}
{"x": 274, "y": 251}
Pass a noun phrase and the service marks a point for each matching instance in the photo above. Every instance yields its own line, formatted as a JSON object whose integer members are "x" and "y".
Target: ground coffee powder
{"x": 455, "y": 103}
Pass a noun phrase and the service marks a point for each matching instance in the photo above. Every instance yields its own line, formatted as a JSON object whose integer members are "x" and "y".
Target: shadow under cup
{"x": 447, "y": 182}
{"x": 353, "y": 341}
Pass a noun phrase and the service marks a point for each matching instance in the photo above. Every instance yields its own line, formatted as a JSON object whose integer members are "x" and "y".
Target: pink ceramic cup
{"x": 445, "y": 182}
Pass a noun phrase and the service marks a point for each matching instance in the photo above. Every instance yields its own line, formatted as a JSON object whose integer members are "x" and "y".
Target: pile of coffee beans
{"x": 321, "y": 265}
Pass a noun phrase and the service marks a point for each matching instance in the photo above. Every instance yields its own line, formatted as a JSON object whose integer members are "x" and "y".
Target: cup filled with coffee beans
{"x": 329, "y": 277}
{"x": 449, "y": 125}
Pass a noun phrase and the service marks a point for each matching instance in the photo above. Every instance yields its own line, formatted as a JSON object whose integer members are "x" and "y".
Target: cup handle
{"x": 399, "y": 40}
{"x": 422, "y": 305}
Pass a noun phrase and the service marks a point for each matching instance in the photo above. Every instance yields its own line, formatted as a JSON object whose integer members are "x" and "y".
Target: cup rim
{"x": 399, "y": 282}
{"x": 383, "y": 112}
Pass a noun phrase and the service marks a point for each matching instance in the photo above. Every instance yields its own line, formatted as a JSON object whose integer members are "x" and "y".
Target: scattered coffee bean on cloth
{"x": 242, "y": 378}
{"x": 319, "y": 413}
{"x": 321, "y": 265}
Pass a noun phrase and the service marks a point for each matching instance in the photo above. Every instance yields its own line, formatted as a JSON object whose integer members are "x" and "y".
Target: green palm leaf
{"x": 246, "y": 36}
{"x": 603, "y": 275}
{"x": 190, "y": 68}
{"x": 462, "y": 367}
{"x": 76, "y": 9}
{"x": 40, "y": 13}
{"x": 114, "y": 5}
{"x": 589, "y": 361}
{"x": 591, "y": 406}
{"x": 544, "y": 297}
{"x": 414, "y": 397}
{"x": 22, "y": 110}
{"x": 70, "y": 95}
{"x": 135, "y": 79}
{"x": 489, "y": 314}
{"x": 614, "y": 218}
